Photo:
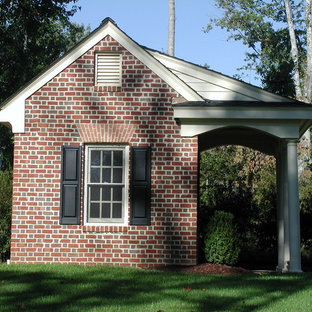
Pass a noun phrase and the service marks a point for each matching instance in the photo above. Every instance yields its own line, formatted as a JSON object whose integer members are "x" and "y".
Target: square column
{"x": 282, "y": 209}
{"x": 289, "y": 255}
{"x": 293, "y": 207}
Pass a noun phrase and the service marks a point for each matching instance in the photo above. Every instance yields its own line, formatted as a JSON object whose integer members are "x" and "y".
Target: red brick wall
{"x": 62, "y": 112}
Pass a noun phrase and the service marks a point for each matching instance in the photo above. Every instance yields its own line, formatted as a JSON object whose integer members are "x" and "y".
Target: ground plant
{"x": 222, "y": 239}
{"x": 100, "y": 288}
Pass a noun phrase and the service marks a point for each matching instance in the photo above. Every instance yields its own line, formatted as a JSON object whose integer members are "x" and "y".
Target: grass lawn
{"x": 101, "y": 288}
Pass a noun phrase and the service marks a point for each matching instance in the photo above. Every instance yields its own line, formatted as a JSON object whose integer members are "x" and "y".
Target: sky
{"x": 146, "y": 22}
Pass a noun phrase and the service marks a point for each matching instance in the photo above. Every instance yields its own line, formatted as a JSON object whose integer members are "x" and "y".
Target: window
{"x": 106, "y": 184}
{"x": 108, "y": 69}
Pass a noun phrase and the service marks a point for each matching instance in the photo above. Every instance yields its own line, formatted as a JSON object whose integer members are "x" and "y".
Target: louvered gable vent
{"x": 108, "y": 69}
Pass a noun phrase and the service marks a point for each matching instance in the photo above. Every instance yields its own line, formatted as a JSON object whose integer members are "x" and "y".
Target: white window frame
{"x": 119, "y": 66}
{"x": 125, "y": 195}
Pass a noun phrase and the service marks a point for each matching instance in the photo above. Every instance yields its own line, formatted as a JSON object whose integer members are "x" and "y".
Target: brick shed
{"x": 106, "y": 153}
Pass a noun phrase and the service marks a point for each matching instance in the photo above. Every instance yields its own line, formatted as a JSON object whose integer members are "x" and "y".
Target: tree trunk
{"x": 294, "y": 50}
{"x": 171, "y": 31}
{"x": 308, "y": 75}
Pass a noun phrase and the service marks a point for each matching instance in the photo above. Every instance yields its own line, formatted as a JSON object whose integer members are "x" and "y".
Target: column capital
{"x": 292, "y": 141}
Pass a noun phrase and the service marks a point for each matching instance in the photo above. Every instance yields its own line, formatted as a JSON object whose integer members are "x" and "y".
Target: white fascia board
{"x": 243, "y": 113}
{"x": 218, "y": 79}
{"x": 277, "y": 128}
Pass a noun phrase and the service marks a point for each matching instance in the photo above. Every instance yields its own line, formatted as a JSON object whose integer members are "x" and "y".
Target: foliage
{"x": 221, "y": 241}
{"x": 218, "y": 180}
{"x": 111, "y": 289}
{"x": 5, "y": 213}
{"x": 305, "y": 200}
{"x": 33, "y": 33}
{"x": 6, "y": 148}
{"x": 262, "y": 27}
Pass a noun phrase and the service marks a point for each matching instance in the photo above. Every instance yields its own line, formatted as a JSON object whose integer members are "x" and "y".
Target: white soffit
{"x": 243, "y": 112}
{"x": 213, "y": 85}
{"x": 276, "y": 128}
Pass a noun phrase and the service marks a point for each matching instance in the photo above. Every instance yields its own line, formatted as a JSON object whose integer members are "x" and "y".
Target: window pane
{"x": 117, "y": 178}
{"x": 116, "y": 210}
{"x": 117, "y": 195}
{"x": 94, "y": 210}
{"x": 106, "y": 210}
{"x": 106, "y": 175}
{"x": 106, "y": 195}
{"x": 95, "y": 175}
{"x": 107, "y": 155}
{"x": 95, "y": 158}
{"x": 105, "y": 184}
{"x": 117, "y": 158}
{"x": 95, "y": 193}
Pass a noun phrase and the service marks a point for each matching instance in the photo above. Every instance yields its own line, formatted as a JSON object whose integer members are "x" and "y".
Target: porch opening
{"x": 281, "y": 176}
{"x": 242, "y": 181}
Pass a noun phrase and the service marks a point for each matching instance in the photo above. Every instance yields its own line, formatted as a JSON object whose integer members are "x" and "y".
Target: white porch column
{"x": 282, "y": 209}
{"x": 280, "y": 212}
{"x": 293, "y": 207}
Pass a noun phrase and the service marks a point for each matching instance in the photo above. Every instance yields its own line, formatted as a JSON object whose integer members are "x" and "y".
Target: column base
{"x": 287, "y": 269}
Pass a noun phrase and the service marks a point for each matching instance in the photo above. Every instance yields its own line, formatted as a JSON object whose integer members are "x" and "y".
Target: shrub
{"x": 5, "y": 213}
{"x": 221, "y": 240}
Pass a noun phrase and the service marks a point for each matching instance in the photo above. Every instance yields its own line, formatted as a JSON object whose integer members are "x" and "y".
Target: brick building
{"x": 106, "y": 153}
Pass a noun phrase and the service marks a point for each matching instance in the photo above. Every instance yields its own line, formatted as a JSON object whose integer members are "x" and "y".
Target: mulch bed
{"x": 206, "y": 268}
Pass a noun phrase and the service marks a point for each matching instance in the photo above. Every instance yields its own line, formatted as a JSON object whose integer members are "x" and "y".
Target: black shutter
{"x": 140, "y": 185}
{"x": 70, "y": 185}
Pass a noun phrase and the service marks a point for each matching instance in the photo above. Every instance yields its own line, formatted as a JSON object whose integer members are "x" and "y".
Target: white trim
{"x": 277, "y": 128}
{"x": 126, "y": 188}
{"x": 243, "y": 112}
{"x": 14, "y": 114}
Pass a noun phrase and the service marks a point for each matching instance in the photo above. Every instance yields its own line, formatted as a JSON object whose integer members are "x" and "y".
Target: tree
{"x": 171, "y": 31}
{"x": 277, "y": 37}
{"x": 33, "y": 33}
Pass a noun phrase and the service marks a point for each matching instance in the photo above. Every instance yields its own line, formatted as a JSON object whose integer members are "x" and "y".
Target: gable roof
{"x": 192, "y": 82}
{"x": 214, "y": 86}
{"x": 13, "y": 109}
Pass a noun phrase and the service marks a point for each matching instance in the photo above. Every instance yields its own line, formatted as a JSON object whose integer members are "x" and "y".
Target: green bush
{"x": 221, "y": 240}
{"x": 5, "y": 213}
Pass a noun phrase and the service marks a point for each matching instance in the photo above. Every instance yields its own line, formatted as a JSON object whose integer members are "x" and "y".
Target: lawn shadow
{"x": 44, "y": 288}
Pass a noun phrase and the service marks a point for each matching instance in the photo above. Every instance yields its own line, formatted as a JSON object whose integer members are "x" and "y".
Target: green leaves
{"x": 262, "y": 27}
{"x": 221, "y": 241}
{"x": 32, "y": 35}
{"x": 5, "y": 213}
